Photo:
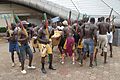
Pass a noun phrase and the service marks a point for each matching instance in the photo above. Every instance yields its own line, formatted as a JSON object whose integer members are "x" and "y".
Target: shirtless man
{"x": 25, "y": 49}
{"x": 45, "y": 48}
{"x": 103, "y": 28}
{"x": 13, "y": 43}
{"x": 89, "y": 31}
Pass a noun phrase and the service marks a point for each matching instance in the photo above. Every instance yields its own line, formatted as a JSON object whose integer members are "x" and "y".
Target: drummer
{"x": 55, "y": 33}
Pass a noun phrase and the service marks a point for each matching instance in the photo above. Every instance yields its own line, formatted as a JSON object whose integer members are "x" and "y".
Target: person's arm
{"x": 95, "y": 34}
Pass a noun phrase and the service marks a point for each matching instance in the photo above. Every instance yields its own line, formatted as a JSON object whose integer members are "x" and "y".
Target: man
{"x": 25, "y": 49}
{"x": 69, "y": 45}
{"x": 110, "y": 36}
{"x": 33, "y": 37}
{"x": 13, "y": 43}
{"x": 103, "y": 28}
{"x": 45, "y": 48}
{"x": 89, "y": 32}
{"x": 80, "y": 43}
{"x": 62, "y": 41}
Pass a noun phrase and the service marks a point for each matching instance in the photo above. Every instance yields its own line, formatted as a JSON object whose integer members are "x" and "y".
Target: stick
{"x": 110, "y": 13}
{"x": 9, "y": 26}
{"x": 21, "y": 25}
{"x": 46, "y": 22}
{"x": 69, "y": 19}
{"x": 77, "y": 22}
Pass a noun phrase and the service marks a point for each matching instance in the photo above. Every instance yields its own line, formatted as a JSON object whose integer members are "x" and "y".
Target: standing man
{"x": 89, "y": 31}
{"x": 45, "y": 48}
{"x": 62, "y": 41}
{"x": 25, "y": 49}
{"x": 69, "y": 45}
{"x": 13, "y": 43}
{"x": 103, "y": 28}
{"x": 110, "y": 35}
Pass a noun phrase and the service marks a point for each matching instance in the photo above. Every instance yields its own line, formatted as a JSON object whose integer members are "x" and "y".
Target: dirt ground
{"x": 68, "y": 71}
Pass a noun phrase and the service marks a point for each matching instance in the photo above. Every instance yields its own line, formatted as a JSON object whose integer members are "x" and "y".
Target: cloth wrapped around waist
{"x": 69, "y": 45}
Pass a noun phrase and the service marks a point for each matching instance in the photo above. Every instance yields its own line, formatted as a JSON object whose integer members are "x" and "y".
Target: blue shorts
{"x": 88, "y": 45}
{"x": 13, "y": 46}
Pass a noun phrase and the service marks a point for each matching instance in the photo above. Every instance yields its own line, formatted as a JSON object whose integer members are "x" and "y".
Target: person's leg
{"x": 43, "y": 65}
{"x": 22, "y": 58}
{"x": 17, "y": 49}
{"x": 12, "y": 57}
{"x": 29, "y": 52}
{"x": 84, "y": 51}
{"x": 73, "y": 58}
{"x": 22, "y": 64}
{"x": 11, "y": 50}
{"x": 110, "y": 44}
{"x": 91, "y": 59}
{"x": 105, "y": 49}
{"x": 60, "y": 49}
{"x": 95, "y": 55}
{"x": 50, "y": 55}
{"x": 63, "y": 57}
{"x": 83, "y": 56}
{"x": 78, "y": 52}
{"x": 18, "y": 53}
{"x": 51, "y": 60}
{"x": 43, "y": 50}
{"x": 102, "y": 53}
{"x": 60, "y": 45}
{"x": 105, "y": 57}
{"x": 91, "y": 50}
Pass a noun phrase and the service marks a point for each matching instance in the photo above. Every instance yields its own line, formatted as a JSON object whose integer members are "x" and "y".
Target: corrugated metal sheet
{"x": 48, "y": 7}
{"x": 91, "y": 7}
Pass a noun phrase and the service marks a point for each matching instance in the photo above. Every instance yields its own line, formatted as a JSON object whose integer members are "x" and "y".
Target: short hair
{"x": 86, "y": 19}
{"x": 92, "y": 20}
{"x": 13, "y": 25}
{"x": 107, "y": 19}
{"x": 102, "y": 18}
{"x": 99, "y": 19}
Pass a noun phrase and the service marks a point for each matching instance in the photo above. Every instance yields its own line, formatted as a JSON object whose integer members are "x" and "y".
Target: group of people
{"x": 73, "y": 40}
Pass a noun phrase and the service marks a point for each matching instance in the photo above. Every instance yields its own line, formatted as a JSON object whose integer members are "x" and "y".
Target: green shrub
{"x": 3, "y": 29}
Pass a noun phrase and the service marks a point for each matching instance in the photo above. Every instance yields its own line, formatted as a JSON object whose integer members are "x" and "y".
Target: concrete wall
{"x": 49, "y": 7}
{"x": 8, "y": 9}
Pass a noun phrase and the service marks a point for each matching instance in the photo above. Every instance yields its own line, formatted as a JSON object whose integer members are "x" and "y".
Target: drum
{"x": 56, "y": 38}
